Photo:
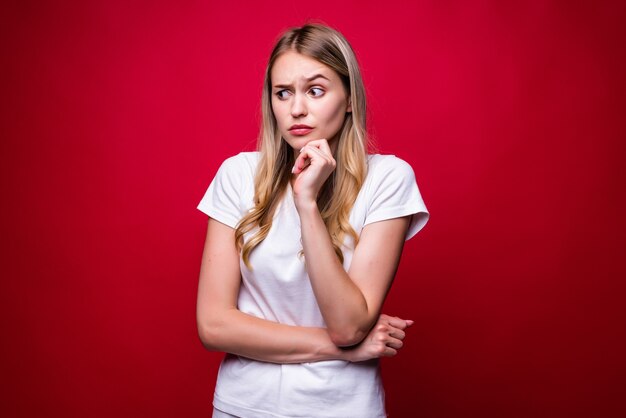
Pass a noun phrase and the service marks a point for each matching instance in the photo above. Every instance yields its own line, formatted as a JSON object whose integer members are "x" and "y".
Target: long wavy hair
{"x": 339, "y": 192}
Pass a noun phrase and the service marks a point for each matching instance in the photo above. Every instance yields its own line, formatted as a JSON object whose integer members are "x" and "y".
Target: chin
{"x": 299, "y": 142}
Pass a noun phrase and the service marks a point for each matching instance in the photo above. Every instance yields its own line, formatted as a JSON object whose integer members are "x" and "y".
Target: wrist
{"x": 305, "y": 206}
{"x": 333, "y": 352}
{"x": 346, "y": 353}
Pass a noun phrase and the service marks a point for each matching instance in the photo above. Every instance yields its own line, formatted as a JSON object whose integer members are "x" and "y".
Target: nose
{"x": 298, "y": 105}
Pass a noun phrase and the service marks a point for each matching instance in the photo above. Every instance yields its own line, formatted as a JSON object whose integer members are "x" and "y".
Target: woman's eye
{"x": 282, "y": 94}
{"x": 316, "y": 91}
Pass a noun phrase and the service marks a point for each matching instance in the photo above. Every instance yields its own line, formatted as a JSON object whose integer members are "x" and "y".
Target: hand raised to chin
{"x": 313, "y": 166}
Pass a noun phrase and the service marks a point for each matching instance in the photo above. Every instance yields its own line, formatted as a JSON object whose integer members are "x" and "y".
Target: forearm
{"x": 235, "y": 332}
{"x": 222, "y": 327}
{"x": 343, "y": 305}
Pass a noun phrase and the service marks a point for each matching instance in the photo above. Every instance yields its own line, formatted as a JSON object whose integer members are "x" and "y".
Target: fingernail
{"x": 293, "y": 169}
{"x": 409, "y": 322}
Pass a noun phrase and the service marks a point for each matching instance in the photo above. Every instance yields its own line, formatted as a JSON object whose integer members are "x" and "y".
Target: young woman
{"x": 303, "y": 242}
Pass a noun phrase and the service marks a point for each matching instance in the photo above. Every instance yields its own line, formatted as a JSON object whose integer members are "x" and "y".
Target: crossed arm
{"x": 222, "y": 327}
{"x": 350, "y": 302}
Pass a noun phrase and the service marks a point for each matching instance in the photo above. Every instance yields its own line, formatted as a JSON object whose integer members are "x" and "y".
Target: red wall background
{"x": 116, "y": 115}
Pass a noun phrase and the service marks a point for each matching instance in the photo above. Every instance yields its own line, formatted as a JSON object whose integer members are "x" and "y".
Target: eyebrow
{"x": 308, "y": 80}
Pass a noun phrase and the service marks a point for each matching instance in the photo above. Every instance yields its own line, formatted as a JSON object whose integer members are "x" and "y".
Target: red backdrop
{"x": 116, "y": 115}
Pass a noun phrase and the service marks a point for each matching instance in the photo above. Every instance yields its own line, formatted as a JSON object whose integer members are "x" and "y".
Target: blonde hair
{"x": 339, "y": 193}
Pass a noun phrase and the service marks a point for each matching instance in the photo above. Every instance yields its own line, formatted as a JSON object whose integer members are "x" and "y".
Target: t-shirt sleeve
{"x": 395, "y": 194}
{"x": 222, "y": 199}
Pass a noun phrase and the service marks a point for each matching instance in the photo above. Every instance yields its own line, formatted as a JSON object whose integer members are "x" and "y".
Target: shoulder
{"x": 383, "y": 166}
{"x": 239, "y": 168}
{"x": 236, "y": 173}
{"x": 232, "y": 188}
{"x": 391, "y": 191}
{"x": 241, "y": 161}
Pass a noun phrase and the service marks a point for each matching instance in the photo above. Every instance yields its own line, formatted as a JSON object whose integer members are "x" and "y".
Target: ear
{"x": 349, "y": 108}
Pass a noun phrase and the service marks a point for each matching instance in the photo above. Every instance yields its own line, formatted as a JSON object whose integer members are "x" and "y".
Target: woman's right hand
{"x": 383, "y": 340}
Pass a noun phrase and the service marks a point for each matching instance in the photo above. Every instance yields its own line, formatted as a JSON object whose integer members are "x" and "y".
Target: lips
{"x": 300, "y": 129}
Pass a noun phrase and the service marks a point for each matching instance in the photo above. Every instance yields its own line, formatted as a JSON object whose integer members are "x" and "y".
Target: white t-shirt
{"x": 278, "y": 289}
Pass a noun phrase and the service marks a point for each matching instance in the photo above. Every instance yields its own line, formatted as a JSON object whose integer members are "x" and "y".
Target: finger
{"x": 389, "y": 352}
{"x": 321, "y": 144}
{"x": 394, "y": 321}
{"x": 315, "y": 151}
{"x": 301, "y": 162}
{"x": 382, "y": 328}
{"x": 394, "y": 343}
{"x": 397, "y": 333}
{"x": 317, "y": 142}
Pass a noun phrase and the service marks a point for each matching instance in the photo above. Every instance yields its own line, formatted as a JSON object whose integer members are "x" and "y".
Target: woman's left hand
{"x": 312, "y": 168}
{"x": 383, "y": 340}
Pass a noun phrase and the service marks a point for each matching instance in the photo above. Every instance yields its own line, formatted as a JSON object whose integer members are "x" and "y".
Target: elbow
{"x": 209, "y": 335}
{"x": 346, "y": 337}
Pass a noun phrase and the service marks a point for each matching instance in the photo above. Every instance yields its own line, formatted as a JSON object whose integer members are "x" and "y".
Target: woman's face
{"x": 308, "y": 99}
